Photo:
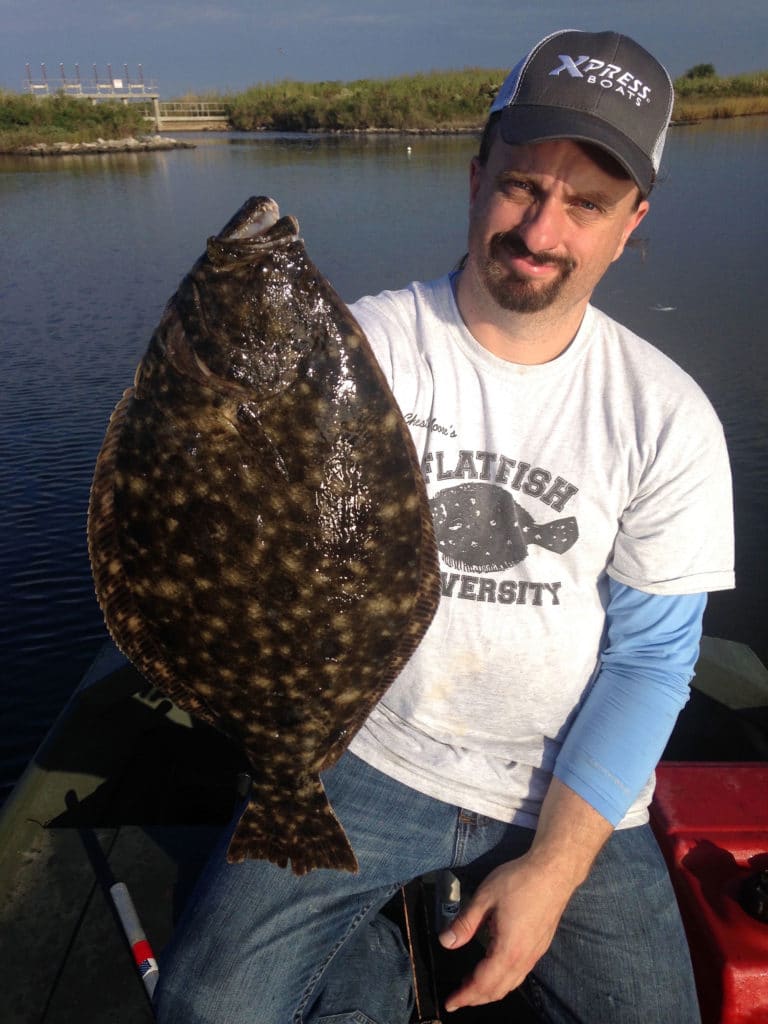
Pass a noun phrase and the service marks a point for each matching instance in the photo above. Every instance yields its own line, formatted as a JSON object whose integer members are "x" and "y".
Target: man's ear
{"x": 475, "y": 173}
{"x": 632, "y": 222}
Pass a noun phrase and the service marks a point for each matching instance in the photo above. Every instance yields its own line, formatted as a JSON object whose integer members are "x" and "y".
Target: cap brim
{"x": 523, "y": 124}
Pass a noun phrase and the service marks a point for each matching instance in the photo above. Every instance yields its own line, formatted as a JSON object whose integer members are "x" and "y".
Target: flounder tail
{"x": 297, "y": 826}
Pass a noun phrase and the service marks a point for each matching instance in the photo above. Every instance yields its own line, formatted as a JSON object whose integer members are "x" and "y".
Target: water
{"x": 94, "y": 246}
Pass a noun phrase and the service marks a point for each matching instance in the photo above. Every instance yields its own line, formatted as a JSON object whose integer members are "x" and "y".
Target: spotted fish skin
{"x": 259, "y": 530}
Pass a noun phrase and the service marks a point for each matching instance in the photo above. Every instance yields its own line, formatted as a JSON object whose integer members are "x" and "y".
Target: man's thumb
{"x": 461, "y": 929}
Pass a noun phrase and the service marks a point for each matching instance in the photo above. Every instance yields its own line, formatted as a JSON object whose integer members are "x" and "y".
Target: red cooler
{"x": 711, "y": 821}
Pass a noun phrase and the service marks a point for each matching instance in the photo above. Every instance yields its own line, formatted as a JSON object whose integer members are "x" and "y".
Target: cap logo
{"x": 608, "y": 76}
{"x": 570, "y": 65}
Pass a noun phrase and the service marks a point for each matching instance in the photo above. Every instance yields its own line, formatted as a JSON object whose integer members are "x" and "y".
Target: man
{"x": 579, "y": 483}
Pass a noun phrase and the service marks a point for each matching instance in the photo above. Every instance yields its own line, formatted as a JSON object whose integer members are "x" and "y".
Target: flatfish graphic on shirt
{"x": 480, "y": 527}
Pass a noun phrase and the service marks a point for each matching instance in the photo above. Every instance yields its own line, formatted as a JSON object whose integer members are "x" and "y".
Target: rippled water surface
{"x": 92, "y": 247}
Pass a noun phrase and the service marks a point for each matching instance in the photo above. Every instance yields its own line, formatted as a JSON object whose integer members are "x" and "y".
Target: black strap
{"x": 416, "y": 929}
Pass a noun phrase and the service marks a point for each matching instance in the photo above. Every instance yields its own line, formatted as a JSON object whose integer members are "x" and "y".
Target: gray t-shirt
{"x": 543, "y": 481}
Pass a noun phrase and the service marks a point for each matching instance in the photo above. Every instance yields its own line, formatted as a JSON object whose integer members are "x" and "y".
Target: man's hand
{"x": 522, "y": 901}
{"x": 521, "y": 907}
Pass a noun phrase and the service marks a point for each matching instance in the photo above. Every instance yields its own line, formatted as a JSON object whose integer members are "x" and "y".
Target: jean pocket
{"x": 370, "y": 978}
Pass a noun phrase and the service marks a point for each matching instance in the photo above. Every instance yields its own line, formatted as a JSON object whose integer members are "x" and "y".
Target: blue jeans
{"x": 258, "y": 945}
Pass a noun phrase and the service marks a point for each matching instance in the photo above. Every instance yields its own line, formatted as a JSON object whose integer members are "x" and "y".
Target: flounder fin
{"x": 299, "y": 827}
{"x": 123, "y": 619}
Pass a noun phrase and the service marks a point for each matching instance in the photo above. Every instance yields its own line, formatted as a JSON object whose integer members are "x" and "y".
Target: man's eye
{"x": 514, "y": 185}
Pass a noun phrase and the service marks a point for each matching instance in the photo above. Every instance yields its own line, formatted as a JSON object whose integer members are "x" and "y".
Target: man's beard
{"x": 515, "y": 293}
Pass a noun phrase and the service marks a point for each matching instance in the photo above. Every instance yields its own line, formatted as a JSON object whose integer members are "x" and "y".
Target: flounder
{"x": 259, "y": 531}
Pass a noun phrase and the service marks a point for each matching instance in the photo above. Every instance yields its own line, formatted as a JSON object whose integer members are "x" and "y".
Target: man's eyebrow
{"x": 512, "y": 175}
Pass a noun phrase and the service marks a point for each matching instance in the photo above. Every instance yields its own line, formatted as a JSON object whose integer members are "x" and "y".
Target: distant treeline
{"x": 702, "y": 93}
{"x": 441, "y": 101}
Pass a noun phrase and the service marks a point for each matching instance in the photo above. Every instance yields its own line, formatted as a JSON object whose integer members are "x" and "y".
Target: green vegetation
{"x": 26, "y": 120}
{"x": 453, "y": 101}
{"x": 700, "y": 71}
{"x": 702, "y": 94}
{"x": 438, "y": 101}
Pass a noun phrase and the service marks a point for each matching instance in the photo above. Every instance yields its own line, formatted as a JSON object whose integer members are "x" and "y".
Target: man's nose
{"x": 542, "y": 226}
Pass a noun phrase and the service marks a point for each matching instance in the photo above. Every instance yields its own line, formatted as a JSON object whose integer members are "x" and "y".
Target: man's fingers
{"x": 489, "y": 982}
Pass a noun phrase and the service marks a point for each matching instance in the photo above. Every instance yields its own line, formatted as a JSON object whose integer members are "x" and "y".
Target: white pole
{"x": 141, "y": 949}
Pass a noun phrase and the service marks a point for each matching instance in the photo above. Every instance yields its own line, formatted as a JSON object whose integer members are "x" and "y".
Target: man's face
{"x": 546, "y": 221}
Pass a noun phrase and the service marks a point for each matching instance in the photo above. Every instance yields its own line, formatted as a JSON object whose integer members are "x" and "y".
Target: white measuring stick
{"x": 141, "y": 949}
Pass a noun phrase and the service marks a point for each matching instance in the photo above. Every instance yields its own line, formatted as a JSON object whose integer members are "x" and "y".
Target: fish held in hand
{"x": 259, "y": 531}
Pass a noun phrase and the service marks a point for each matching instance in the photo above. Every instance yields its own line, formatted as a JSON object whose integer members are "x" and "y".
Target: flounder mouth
{"x": 256, "y": 226}
{"x": 254, "y": 217}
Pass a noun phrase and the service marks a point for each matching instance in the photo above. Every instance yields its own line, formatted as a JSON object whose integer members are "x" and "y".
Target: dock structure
{"x": 174, "y": 115}
{"x": 179, "y": 116}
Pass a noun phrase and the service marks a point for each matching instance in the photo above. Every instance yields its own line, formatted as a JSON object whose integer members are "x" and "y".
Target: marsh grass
{"x": 701, "y": 109}
{"x": 710, "y": 96}
{"x": 449, "y": 101}
{"x": 26, "y": 120}
{"x": 437, "y": 101}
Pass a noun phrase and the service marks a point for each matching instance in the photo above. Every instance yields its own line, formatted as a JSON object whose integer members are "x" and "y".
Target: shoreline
{"x": 159, "y": 143}
{"x": 129, "y": 144}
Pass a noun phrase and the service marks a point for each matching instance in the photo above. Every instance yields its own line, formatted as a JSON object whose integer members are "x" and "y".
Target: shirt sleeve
{"x": 373, "y": 315}
{"x": 620, "y": 732}
{"x": 676, "y": 534}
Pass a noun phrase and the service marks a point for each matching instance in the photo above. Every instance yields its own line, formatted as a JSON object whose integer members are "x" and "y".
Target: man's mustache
{"x": 510, "y": 242}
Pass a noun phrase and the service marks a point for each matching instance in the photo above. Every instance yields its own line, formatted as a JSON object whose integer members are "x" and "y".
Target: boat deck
{"x": 125, "y": 788}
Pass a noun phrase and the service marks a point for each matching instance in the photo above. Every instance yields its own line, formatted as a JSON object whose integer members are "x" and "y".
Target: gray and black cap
{"x": 597, "y": 87}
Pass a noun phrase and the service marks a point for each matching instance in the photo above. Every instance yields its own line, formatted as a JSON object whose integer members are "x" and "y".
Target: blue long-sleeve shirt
{"x": 620, "y": 732}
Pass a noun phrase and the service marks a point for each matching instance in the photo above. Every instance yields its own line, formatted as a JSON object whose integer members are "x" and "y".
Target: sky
{"x": 220, "y": 46}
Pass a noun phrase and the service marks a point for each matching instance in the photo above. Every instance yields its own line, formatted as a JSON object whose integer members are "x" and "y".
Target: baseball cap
{"x": 596, "y": 87}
